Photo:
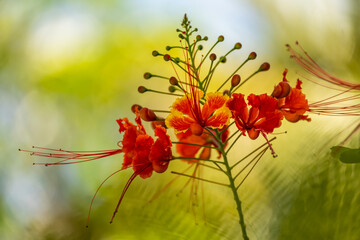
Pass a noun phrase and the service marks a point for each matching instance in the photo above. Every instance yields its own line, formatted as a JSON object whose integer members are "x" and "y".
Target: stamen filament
{"x": 193, "y": 144}
{"x": 201, "y": 179}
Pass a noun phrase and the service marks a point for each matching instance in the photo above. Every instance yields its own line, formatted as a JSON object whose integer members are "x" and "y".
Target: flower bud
{"x": 181, "y": 36}
{"x": 177, "y": 60}
{"x": 226, "y": 92}
{"x": 235, "y": 80}
{"x": 200, "y": 47}
{"x": 237, "y": 45}
{"x": 196, "y": 129}
{"x": 198, "y": 37}
{"x": 167, "y": 57}
{"x": 205, "y": 38}
{"x": 136, "y": 107}
{"x": 147, "y": 75}
{"x": 173, "y": 81}
{"x": 252, "y": 56}
{"x": 147, "y": 115}
{"x": 222, "y": 59}
{"x": 155, "y": 53}
{"x": 142, "y": 89}
{"x": 168, "y": 48}
{"x": 172, "y": 89}
{"x": 281, "y": 90}
{"x": 212, "y": 57}
{"x": 221, "y": 38}
{"x": 264, "y": 67}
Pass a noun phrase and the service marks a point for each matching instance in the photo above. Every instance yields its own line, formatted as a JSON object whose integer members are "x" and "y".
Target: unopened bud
{"x": 198, "y": 37}
{"x": 212, "y": 57}
{"x": 142, "y": 89}
{"x": 264, "y": 67}
{"x": 172, "y": 89}
{"x": 147, "y": 115}
{"x": 226, "y": 92}
{"x": 196, "y": 129}
{"x": 252, "y": 56}
{"x": 167, "y": 57}
{"x": 205, "y": 38}
{"x": 173, "y": 81}
{"x": 181, "y": 36}
{"x": 281, "y": 90}
{"x": 235, "y": 80}
{"x": 147, "y": 75}
{"x": 177, "y": 60}
{"x": 168, "y": 48}
{"x": 155, "y": 53}
{"x": 222, "y": 59}
{"x": 200, "y": 47}
{"x": 136, "y": 107}
{"x": 221, "y": 38}
{"x": 237, "y": 45}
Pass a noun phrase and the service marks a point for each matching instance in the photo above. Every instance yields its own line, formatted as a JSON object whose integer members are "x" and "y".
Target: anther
{"x": 155, "y": 53}
{"x": 212, "y": 57}
{"x": 173, "y": 81}
{"x": 264, "y": 67}
{"x": 221, "y": 38}
{"x": 147, "y": 115}
{"x": 142, "y": 89}
{"x": 147, "y": 75}
{"x": 237, "y": 45}
{"x": 235, "y": 80}
{"x": 167, "y": 57}
{"x": 252, "y": 56}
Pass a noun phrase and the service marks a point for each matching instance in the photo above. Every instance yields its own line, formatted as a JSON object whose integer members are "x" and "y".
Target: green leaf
{"x": 346, "y": 155}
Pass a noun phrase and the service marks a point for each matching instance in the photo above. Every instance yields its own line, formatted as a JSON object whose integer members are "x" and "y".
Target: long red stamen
{"x": 66, "y": 155}
{"x": 128, "y": 183}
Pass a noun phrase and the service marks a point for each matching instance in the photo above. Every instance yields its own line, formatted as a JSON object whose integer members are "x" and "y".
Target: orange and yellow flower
{"x": 187, "y": 113}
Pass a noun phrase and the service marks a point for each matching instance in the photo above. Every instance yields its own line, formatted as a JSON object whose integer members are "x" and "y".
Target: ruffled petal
{"x": 238, "y": 106}
{"x": 186, "y": 150}
{"x": 160, "y": 153}
{"x": 182, "y": 105}
{"x": 213, "y": 102}
{"x": 220, "y": 118}
{"x": 178, "y": 121}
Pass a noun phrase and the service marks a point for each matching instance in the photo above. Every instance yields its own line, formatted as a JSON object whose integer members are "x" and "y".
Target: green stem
{"x": 233, "y": 187}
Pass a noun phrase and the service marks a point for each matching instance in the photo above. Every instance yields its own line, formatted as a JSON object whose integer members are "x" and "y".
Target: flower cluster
{"x": 202, "y": 121}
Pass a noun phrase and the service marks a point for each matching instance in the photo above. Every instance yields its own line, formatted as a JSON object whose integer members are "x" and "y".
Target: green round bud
{"x": 237, "y": 45}
{"x": 252, "y": 56}
{"x": 147, "y": 75}
{"x": 155, "y": 53}
{"x": 142, "y": 89}
{"x": 264, "y": 67}
{"x": 221, "y": 38}
{"x": 168, "y": 48}
{"x": 172, "y": 89}
{"x": 181, "y": 36}
{"x": 222, "y": 59}
{"x": 205, "y": 38}
{"x": 212, "y": 57}
{"x": 195, "y": 30}
{"x": 167, "y": 57}
{"x": 200, "y": 47}
{"x": 177, "y": 60}
{"x": 173, "y": 81}
{"x": 198, "y": 37}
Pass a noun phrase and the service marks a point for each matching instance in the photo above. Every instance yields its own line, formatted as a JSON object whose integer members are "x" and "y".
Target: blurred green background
{"x": 69, "y": 69}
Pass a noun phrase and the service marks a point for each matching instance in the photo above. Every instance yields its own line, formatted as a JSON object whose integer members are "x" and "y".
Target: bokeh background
{"x": 69, "y": 69}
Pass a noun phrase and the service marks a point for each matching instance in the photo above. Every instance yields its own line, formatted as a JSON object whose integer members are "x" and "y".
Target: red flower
{"x": 187, "y": 112}
{"x": 294, "y": 105}
{"x": 262, "y": 117}
{"x": 187, "y": 150}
